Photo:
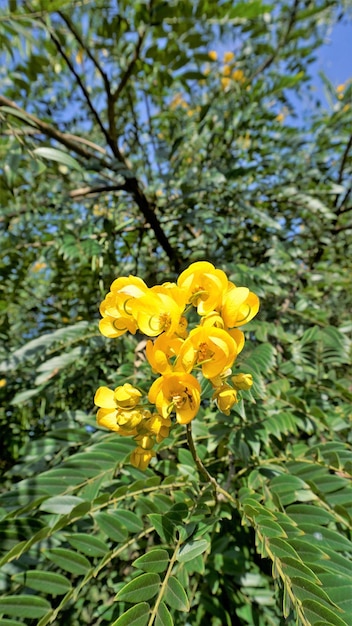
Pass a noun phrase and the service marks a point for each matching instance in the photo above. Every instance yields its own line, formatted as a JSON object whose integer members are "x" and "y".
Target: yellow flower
{"x": 108, "y": 419}
{"x": 145, "y": 442}
{"x": 116, "y": 326}
{"x": 159, "y": 426}
{"x": 3, "y": 382}
{"x": 226, "y": 70}
{"x": 140, "y": 458}
{"x": 213, "y": 55}
{"x": 178, "y": 101}
{"x": 228, "y": 57}
{"x": 123, "y": 397}
{"x": 160, "y": 353}
{"x": 238, "y": 76}
{"x": 131, "y": 419}
{"x": 280, "y": 118}
{"x": 127, "y": 396}
{"x": 212, "y": 319}
{"x": 203, "y": 286}
{"x": 242, "y": 381}
{"x": 176, "y": 392}
{"x": 341, "y": 88}
{"x": 160, "y": 310}
{"x": 210, "y": 347}
{"x": 38, "y": 265}
{"x": 225, "y": 397}
{"x": 225, "y": 82}
{"x": 116, "y": 306}
{"x": 117, "y": 409}
{"x": 239, "y": 306}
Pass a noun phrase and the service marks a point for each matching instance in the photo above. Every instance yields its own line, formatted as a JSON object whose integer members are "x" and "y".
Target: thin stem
{"x": 204, "y": 472}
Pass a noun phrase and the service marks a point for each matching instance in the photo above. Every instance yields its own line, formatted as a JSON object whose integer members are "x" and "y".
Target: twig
{"x": 280, "y": 44}
{"x": 68, "y": 140}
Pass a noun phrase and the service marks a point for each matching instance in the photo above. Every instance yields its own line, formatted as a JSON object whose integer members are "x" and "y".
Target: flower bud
{"x": 140, "y": 458}
{"x": 126, "y": 396}
{"x": 225, "y": 397}
{"x": 242, "y": 382}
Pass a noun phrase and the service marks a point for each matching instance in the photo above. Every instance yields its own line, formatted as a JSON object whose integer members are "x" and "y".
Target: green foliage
{"x": 126, "y": 148}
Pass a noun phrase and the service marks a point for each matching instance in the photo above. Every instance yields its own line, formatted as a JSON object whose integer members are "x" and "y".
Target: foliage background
{"x": 126, "y": 149}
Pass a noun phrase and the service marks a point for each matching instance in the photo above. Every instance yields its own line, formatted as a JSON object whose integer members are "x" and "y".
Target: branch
{"x": 86, "y": 95}
{"x": 131, "y": 185}
{"x": 103, "y": 74}
{"x": 82, "y": 43}
{"x": 90, "y": 191}
{"x": 68, "y": 140}
{"x": 130, "y": 67}
{"x": 280, "y": 44}
{"x": 342, "y": 167}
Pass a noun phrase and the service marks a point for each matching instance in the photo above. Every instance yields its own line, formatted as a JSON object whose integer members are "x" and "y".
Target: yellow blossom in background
{"x": 177, "y": 392}
{"x": 213, "y": 55}
{"x": 340, "y": 88}
{"x": 38, "y": 265}
{"x": 238, "y": 76}
{"x": 3, "y": 382}
{"x": 280, "y": 117}
{"x": 225, "y": 82}
{"x": 228, "y": 57}
{"x": 141, "y": 458}
{"x": 242, "y": 382}
{"x": 178, "y": 101}
{"x": 226, "y": 70}
{"x": 225, "y": 397}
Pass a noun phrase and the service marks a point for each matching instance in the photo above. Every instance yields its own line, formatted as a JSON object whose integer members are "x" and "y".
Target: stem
{"x": 204, "y": 472}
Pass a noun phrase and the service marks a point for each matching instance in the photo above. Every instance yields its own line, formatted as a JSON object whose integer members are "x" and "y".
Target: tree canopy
{"x": 139, "y": 138}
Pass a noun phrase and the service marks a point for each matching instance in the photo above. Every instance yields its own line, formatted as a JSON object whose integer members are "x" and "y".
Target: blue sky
{"x": 334, "y": 58}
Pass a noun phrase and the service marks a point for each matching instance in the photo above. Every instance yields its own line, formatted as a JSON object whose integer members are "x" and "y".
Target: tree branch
{"x": 342, "y": 167}
{"x": 271, "y": 58}
{"x": 91, "y": 191}
{"x": 130, "y": 67}
{"x": 69, "y": 141}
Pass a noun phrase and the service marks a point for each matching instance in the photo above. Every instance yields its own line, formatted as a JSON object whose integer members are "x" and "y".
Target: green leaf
{"x": 60, "y": 504}
{"x": 142, "y": 588}
{"x": 136, "y": 616}
{"x": 304, "y": 589}
{"x": 129, "y": 520}
{"x": 53, "y": 583}
{"x": 111, "y": 526}
{"x": 314, "y": 609}
{"x": 24, "y": 606}
{"x": 163, "y": 526}
{"x": 326, "y": 538}
{"x": 154, "y": 561}
{"x": 163, "y": 616}
{"x": 175, "y": 595}
{"x": 68, "y": 560}
{"x": 89, "y": 545}
{"x": 58, "y": 155}
{"x": 190, "y": 550}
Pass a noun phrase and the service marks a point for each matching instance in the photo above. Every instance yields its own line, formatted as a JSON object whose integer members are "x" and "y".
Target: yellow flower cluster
{"x": 177, "y": 354}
